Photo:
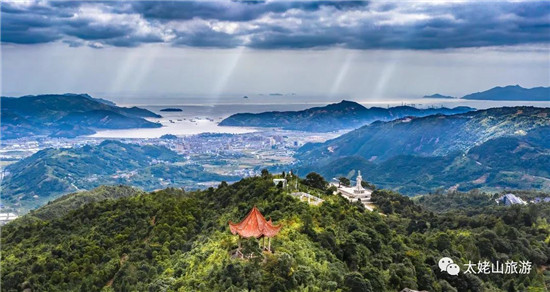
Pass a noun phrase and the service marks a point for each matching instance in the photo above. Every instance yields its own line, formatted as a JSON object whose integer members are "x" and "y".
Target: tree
{"x": 344, "y": 181}
{"x": 354, "y": 282}
{"x": 368, "y": 185}
{"x": 250, "y": 247}
{"x": 330, "y": 190}
{"x": 315, "y": 180}
{"x": 443, "y": 242}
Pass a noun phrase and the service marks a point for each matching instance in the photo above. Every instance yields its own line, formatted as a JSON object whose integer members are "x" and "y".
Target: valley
{"x": 494, "y": 150}
{"x": 58, "y": 166}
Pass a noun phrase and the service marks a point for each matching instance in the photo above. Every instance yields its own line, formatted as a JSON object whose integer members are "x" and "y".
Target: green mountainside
{"x": 473, "y": 202}
{"x": 67, "y": 115}
{"x": 518, "y": 162}
{"x": 333, "y": 117}
{"x": 52, "y": 172}
{"x": 67, "y": 203}
{"x": 171, "y": 240}
{"x": 435, "y": 135}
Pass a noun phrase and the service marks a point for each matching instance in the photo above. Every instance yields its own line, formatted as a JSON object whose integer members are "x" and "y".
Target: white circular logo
{"x": 446, "y": 264}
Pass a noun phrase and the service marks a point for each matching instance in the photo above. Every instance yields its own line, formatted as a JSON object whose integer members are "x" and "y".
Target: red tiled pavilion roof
{"x": 254, "y": 225}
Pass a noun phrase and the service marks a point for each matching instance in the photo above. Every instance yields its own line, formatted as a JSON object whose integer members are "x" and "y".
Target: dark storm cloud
{"x": 17, "y": 26}
{"x": 231, "y": 10}
{"x": 278, "y": 24}
{"x": 90, "y": 31}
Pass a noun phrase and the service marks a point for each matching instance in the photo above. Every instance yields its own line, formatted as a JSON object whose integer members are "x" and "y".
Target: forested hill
{"x": 67, "y": 203}
{"x": 333, "y": 117}
{"x": 49, "y": 173}
{"x": 516, "y": 162}
{"x": 172, "y": 240}
{"x": 67, "y": 115}
{"x": 428, "y": 136}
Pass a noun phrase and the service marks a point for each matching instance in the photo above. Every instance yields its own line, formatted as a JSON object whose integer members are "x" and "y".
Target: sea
{"x": 196, "y": 118}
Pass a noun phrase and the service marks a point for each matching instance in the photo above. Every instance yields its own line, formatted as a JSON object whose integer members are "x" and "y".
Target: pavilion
{"x": 255, "y": 225}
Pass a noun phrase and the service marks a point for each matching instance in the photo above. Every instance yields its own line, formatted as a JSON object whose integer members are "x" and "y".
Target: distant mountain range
{"x": 52, "y": 172}
{"x": 428, "y": 136}
{"x": 515, "y": 92}
{"x": 499, "y": 148}
{"x": 67, "y": 115}
{"x": 511, "y": 92}
{"x": 333, "y": 117}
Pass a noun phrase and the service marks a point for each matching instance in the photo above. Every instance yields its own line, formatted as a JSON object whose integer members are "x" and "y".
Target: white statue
{"x": 358, "y": 187}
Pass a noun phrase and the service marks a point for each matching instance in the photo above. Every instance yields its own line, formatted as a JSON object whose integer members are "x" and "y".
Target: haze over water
{"x": 196, "y": 118}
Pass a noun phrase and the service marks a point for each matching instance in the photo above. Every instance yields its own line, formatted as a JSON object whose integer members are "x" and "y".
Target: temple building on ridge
{"x": 357, "y": 192}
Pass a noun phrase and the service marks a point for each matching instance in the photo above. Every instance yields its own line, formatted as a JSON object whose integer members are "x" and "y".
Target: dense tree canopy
{"x": 172, "y": 240}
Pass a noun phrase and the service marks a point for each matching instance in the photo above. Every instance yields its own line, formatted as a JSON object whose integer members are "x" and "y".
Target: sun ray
{"x": 231, "y": 64}
{"x": 341, "y": 75}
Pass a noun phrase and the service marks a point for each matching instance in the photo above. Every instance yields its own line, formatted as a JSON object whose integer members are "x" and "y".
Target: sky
{"x": 219, "y": 50}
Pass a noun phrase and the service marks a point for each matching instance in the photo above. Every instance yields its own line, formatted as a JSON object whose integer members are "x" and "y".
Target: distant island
{"x": 171, "y": 109}
{"x": 67, "y": 115}
{"x": 510, "y": 92}
{"x": 437, "y": 95}
{"x": 333, "y": 117}
{"x": 169, "y": 137}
